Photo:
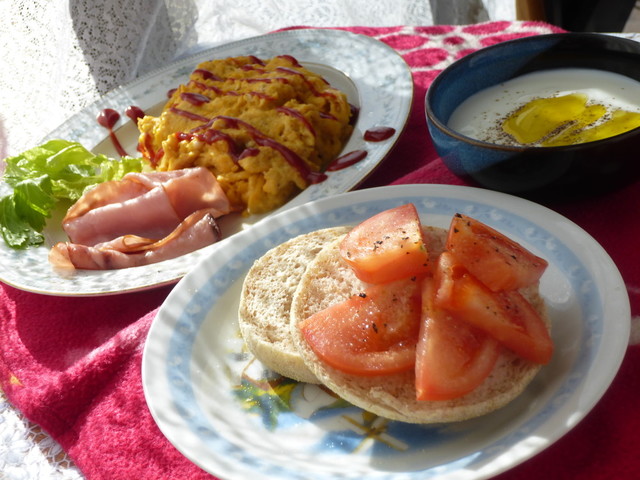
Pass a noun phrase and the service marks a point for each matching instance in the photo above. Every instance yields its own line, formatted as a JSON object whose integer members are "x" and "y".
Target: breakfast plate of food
{"x": 244, "y": 374}
{"x": 304, "y": 114}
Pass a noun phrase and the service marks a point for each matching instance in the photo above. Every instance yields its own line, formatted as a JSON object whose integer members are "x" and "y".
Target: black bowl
{"x": 533, "y": 171}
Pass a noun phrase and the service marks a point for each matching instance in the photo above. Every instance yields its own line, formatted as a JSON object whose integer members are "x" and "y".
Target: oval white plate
{"x": 374, "y": 77}
{"x": 194, "y": 362}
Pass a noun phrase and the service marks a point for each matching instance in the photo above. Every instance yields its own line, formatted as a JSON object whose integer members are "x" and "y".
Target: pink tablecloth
{"x": 72, "y": 365}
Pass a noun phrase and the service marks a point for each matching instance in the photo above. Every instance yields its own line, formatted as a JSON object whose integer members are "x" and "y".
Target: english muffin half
{"x": 328, "y": 280}
{"x": 266, "y": 298}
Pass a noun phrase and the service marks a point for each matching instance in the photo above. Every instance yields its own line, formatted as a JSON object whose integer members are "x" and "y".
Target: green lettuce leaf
{"x": 44, "y": 175}
{"x": 16, "y": 231}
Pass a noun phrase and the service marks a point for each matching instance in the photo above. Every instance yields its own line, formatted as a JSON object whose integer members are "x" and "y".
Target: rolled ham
{"x": 197, "y": 231}
{"x": 143, "y": 218}
{"x": 148, "y": 205}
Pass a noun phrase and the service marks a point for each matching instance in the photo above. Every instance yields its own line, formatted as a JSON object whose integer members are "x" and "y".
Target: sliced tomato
{"x": 373, "y": 333}
{"x": 387, "y": 247}
{"x": 507, "y": 316}
{"x": 452, "y": 357}
{"x": 493, "y": 258}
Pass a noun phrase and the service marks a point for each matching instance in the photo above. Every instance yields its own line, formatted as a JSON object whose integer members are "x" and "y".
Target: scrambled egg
{"x": 259, "y": 126}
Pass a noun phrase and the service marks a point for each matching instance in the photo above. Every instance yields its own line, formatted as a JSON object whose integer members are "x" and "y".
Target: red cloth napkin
{"x": 72, "y": 365}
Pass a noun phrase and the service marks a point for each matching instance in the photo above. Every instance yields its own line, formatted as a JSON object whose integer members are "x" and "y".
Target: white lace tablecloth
{"x": 59, "y": 56}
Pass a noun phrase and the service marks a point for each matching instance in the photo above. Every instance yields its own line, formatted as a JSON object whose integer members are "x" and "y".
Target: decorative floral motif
{"x": 270, "y": 396}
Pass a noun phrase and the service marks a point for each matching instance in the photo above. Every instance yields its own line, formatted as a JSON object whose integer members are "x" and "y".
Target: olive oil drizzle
{"x": 566, "y": 120}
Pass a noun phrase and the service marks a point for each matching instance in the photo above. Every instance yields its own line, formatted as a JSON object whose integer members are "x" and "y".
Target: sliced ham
{"x": 142, "y": 219}
{"x": 197, "y": 231}
{"x": 149, "y": 205}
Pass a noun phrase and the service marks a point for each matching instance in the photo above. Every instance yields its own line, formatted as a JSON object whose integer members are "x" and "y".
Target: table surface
{"x": 25, "y": 450}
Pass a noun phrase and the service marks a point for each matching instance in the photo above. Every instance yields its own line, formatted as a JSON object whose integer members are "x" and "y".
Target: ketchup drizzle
{"x": 210, "y": 136}
{"x": 232, "y": 93}
{"x": 189, "y": 115}
{"x": 252, "y": 68}
{"x": 207, "y": 75}
{"x": 193, "y": 98}
{"x": 249, "y": 152}
{"x": 213, "y": 88}
{"x": 292, "y": 60}
{"x": 262, "y": 140}
{"x": 145, "y": 147}
{"x": 108, "y": 118}
{"x": 255, "y": 59}
{"x": 354, "y": 113}
{"x": 327, "y": 116}
{"x": 313, "y": 89}
{"x": 206, "y": 133}
{"x": 379, "y": 134}
{"x": 267, "y": 80}
{"x": 261, "y": 95}
{"x": 134, "y": 113}
{"x": 297, "y": 115}
{"x": 346, "y": 160}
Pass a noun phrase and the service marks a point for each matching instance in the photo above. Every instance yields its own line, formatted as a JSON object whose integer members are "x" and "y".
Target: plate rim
{"x": 86, "y": 283}
{"x": 480, "y": 195}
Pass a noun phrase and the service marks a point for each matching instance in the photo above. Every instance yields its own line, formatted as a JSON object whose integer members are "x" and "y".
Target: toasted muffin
{"x": 328, "y": 280}
{"x": 266, "y": 300}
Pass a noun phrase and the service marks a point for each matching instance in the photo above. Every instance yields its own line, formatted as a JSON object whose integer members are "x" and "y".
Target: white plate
{"x": 193, "y": 358}
{"x": 374, "y": 77}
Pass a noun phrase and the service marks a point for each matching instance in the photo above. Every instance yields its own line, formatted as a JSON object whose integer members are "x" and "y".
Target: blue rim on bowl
{"x": 534, "y": 171}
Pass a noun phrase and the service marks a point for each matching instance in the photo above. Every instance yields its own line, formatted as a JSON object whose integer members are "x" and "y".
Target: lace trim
{"x": 59, "y": 57}
{"x": 27, "y": 452}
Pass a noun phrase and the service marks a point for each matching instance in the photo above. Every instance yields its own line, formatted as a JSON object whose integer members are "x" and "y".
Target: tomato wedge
{"x": 387, "y": 247}
{"x": 373, "y": 333}
{"x": 506, "y": 316}
{"x": 452, "y": 357}
{"x": 493, "y": 258}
